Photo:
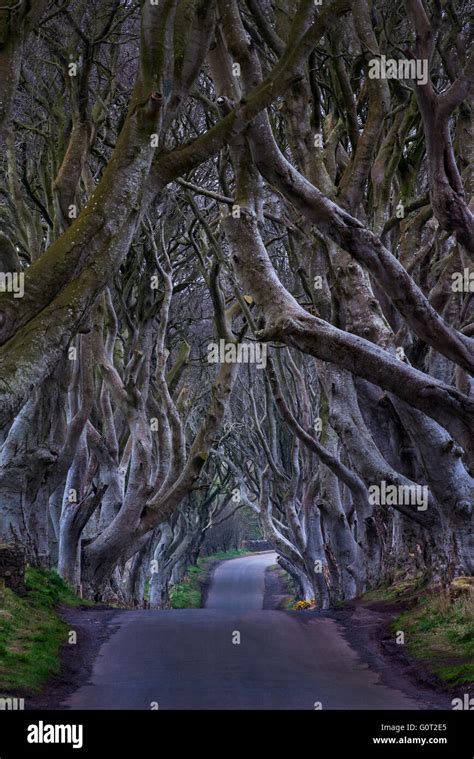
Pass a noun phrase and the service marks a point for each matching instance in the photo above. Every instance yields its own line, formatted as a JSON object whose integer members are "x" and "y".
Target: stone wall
{"x": 12, "y": 567}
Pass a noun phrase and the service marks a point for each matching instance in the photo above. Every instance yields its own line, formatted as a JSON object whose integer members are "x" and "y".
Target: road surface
{"x": 238, "y": 584}
{"x": 233, "y": 655}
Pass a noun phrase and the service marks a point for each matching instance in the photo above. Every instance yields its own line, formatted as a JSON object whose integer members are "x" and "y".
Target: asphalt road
{"x": 233, "y": 655}
{"x": 238, "y": 584}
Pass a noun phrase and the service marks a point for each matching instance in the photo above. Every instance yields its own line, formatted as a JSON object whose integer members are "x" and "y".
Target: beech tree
{"x": 236, "y": 274}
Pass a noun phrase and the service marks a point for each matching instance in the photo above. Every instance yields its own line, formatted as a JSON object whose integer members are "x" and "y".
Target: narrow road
{"x": 238, "y": 584}
{"x": 233, "y": 655}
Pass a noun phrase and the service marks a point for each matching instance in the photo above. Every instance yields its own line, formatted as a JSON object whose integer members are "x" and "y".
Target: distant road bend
{"x": 191, "y": 658}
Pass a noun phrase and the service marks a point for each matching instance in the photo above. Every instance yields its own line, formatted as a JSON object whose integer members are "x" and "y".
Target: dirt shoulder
{"x": 278, "y": 593}
{"x": 93, "y": 626}
{"x": 206, "y": 579}
{"x": 367, "y": 627}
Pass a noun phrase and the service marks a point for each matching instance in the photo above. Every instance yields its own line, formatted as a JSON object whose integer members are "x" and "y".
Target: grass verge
{"x": 438, "y": 625}
{"x": 439, "y": 632}
{"x": 188, "y": 594}
{"x": 31, "y": 631}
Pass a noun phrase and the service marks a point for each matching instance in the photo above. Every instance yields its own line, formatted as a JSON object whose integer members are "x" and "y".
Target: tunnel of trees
{"x": 236, "y": 282}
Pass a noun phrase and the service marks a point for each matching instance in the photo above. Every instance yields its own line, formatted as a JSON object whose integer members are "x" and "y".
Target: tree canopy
{"x": 236, "y": 277}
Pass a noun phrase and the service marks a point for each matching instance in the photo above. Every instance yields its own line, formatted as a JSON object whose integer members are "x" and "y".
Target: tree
{"x": 228, "y": 181}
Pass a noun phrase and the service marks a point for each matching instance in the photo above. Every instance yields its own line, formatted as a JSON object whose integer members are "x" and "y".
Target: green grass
{"x": 31, "y": 631}
{"x": 439, "y": 632}
{"x": 438, "y": 626}
{"x": 188, "y": 594}
{"x": 397, "y": 589}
